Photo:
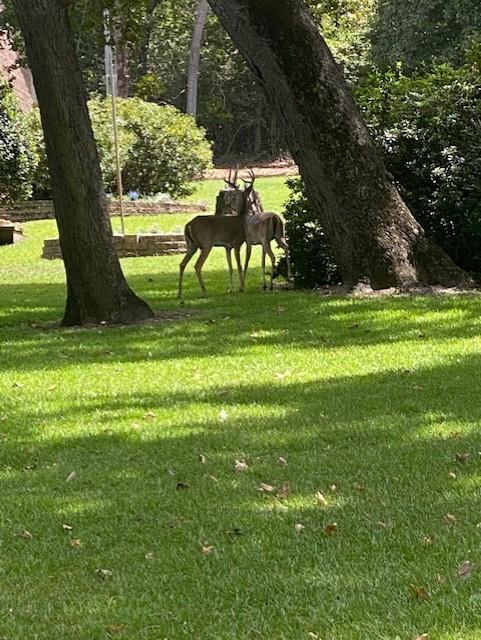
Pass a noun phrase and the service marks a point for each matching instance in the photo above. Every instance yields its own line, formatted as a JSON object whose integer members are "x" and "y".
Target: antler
{"x": 232, "y": 183}
{"x": 249, "y": 184}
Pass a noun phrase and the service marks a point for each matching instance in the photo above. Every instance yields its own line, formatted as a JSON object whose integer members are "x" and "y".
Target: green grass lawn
{"x": 369, "y": 402}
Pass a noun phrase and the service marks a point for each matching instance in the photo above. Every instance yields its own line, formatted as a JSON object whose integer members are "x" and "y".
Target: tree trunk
{"x": 96, "y": 288}
{"x": 122, "y": 68}
{"x": 194, "y": 58}
{"x": 372, "y": 233}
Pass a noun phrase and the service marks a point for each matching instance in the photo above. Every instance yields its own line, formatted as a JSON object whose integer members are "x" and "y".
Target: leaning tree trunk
{"x": 194, "y": 57}
{"x": 96, "y": 288}
{"x": 372, "y": 233}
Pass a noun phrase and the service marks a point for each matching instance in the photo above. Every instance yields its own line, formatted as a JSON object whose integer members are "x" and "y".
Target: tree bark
{"x": 96, "y": 288}
{"x": 372, "y": 233}
{"x": 194, "y": 58}
{"x": 122, "y": 69}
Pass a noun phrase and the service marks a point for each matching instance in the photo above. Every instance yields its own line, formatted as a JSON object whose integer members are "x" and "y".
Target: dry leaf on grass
{"x": 223, "y": 415}
{"x": 241, "y": 465}
{"x": 423, "y": 636}
{"x": 202, "y": 459}
{"x": 104, "y": 574}
{"x": 320, "y": 498}
{"x": 462, "y": 457}
{"x": 465, "y": 570}
{"x": 299, "y": 527}
{"x": 25, "y": 535}
{"x": 330, "y": 529}
{"x": 427, "y": 540}
{"x": 150, "y": 415}
{"x": 420, "y": 592}
{"x": 67, "y": 527}
{"x": 284, "y": 491}
{"x": 282, "y": 462}
{"x": 449, "y": 518}
{"x": 452, "y": 475}
{"x": 112, "y": 629}
{"x": 180, "y": 486}
{"x": 76, "y": 543}
{"x": 266, "y": 488}
{"x": 207, "y": 549}
{"x": 149, "y": 555}
{"x": 71, "y": 476}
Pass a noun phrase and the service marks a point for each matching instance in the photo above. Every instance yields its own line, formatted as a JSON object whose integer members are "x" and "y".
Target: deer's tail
{"x": 189, "y": 238}
{"x": 278, "y": 230}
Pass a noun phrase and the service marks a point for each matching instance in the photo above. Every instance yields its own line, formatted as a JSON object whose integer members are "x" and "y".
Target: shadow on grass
{"x": 225, "y": 323}
{"x": 384, "y": 440}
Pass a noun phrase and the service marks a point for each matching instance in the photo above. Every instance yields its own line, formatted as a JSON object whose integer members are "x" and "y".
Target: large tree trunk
{"x": 96, "y": 288}
{"x": 194, "y": 58}
{"x": 372, "y": 233}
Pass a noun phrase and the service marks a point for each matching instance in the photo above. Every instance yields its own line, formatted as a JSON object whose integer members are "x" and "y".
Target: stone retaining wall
{"x": 131, "y": 246}
{"x": 43, "y": 209}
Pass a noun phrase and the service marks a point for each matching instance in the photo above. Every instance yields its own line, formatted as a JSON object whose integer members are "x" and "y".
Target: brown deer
{"x": 261, "y": 228}
{"x": 205, "y": 232}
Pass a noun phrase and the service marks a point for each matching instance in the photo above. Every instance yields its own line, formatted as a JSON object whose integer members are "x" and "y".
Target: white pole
{"x": 111, "y": 88}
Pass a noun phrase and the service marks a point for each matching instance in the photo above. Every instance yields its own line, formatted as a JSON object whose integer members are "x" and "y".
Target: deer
{"x": 261, "y": 228}
{"x": 207, "y": 231}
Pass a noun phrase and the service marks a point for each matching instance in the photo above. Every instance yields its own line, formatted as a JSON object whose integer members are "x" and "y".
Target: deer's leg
{"x": 204, "y": 254}
{"x": 228, "y": 254}
{"x": 185, "y": 261}
{"x": 248, "y": 257}
{"x": 239, "y": 268}
{"x": 264, "y": 251}
{"x": 281, "y": 242}
{"x": 273, "y": 263}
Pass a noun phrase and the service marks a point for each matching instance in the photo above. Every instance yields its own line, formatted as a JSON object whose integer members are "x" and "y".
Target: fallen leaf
{"x": 284, "y": 491}
{"x": 427, "y": 540}
{"x": 282, "y": 462}
{"x": 465, "y": 570}
{"x": 266, "y": 488}
{"x": 420, "y": 592}
{"x": 280, "y": 375}
{"x": 71, "y": 476}
{"x": 213, "y": 478}
{"x": 384, "y": 525}
{"x": 202, "y": 458}
{"x": 67, "y": 527}
{"x": 313, "y": 636}
{"x": 207, "y": 549}
{"x": 150, "y": 415}
{"x": 299, "y": 527}
{"x": 26, "y": 535}
{"x": 462, "y": 457}
{"x": 223, "y": 415}
{"x": 333, "y": 487}
{"x": 105, "y": 574}
{"x": 452, "y": 475}
{"x": 449, "y": 519}
{"x": 423, "y": 636}
{"x": 76, "y": 543}
{"x": 149, "y": 555}
{"x": 241, "y": 465}
{"x": 440, "y": 578}
{"x": 181, "y": 486}
{"x": 358, "y": 487}
{"x": 320, "y": 498}
{"x": 114, "y": 628}
{"x": 18, "y": 385}
{"x": 330, "y": 529}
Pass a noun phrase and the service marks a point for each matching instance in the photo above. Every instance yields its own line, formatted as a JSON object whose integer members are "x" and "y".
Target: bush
{"x": 161, "y": 149}
{"x": 311, "y": 259}
{"x": 17, "y": 150}
{"x": 428, "y": 128}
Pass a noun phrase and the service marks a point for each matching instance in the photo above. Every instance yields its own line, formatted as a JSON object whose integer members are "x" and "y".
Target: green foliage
{"x": 17, "y": 151}
{"x": 161, "y": 149}
{"x": 311, "y": 258}
{"x": 428, "y": 127}
{"x": 419, "y": 33}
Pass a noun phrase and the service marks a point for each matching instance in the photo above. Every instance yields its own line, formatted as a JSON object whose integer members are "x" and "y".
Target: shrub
{"x": 428, "y": 128}
{"x": 161, "y": 149}
{"x": 17, "y": 150}
{"x": 311, "y": 259}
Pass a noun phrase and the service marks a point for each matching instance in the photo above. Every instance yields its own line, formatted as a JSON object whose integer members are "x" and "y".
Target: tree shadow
{"x": 384, "y": 440}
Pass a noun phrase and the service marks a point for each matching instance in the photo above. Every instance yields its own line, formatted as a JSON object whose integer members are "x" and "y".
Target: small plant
{"x": 311, "y": 258}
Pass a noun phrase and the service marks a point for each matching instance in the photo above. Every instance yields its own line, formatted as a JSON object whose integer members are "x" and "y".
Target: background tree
{"x": 96, "y": 288}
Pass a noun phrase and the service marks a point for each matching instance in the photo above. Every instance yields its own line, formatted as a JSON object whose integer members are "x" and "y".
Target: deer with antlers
{"x": 262, "y": 228}
{"x": 205, "y": 232}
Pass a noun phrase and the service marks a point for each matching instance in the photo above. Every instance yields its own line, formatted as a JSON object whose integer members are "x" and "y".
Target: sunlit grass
{"x": 369, "y": 401}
